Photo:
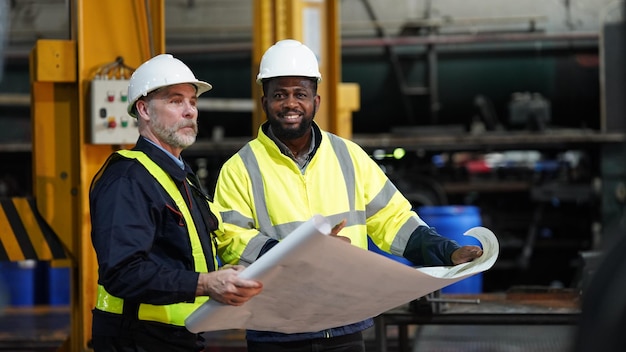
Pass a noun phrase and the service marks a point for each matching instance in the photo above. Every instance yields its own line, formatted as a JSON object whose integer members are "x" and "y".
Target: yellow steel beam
{"x": 54, "y": 117}
{"x": 348, "y": 101}
{"x": 10, "y": 243}
{"x": 24, "y": 234}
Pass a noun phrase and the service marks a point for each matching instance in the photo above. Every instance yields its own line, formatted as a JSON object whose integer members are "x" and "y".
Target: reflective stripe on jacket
{"x": 173, "y": 314}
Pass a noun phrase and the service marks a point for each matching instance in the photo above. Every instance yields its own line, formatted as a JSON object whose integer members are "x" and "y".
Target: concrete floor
{"x": 45, "y": 329}
{"x": 446, "y": 338}
{"x": 493, "y": 338}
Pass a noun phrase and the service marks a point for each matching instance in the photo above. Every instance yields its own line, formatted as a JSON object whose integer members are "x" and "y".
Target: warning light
{"x": 399, "y": 153}
{"x": 124, "y": 121}
{"x": 112, "y": 123}
{"x": 380, "y": 154}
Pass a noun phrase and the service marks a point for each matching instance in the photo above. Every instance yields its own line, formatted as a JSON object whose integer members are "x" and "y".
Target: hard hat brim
{"x": 202, "y": 87}
{"x": 260, "y": 79}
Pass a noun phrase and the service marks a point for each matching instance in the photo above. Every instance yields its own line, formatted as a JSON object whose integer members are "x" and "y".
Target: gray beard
{"x": 172, "y": 137}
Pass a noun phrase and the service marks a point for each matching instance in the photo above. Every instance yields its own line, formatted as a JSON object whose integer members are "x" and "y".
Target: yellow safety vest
{"x": 173, "y": 314}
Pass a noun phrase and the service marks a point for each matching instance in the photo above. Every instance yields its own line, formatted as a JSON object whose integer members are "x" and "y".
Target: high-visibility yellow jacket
{"x": 265, "y": 195}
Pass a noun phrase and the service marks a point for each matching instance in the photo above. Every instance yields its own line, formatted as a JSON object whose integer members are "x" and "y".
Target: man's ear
{"x": 142, "y": 110}
{"x": 316, "y": 104}
{"x": 263, "y": 104}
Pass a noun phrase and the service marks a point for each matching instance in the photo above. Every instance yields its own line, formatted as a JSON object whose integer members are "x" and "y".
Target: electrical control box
{"x": 110, "y": 122}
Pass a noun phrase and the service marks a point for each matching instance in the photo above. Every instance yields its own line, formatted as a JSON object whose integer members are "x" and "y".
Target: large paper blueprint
{"x": 313, "y": 282}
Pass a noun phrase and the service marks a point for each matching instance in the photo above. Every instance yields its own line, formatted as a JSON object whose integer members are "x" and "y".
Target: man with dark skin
{"x": 293, "y": 170}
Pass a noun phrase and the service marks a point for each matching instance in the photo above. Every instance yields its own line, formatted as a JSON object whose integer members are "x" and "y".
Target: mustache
{"x": 287, "y": 112}
{"x": 187, "y": 123}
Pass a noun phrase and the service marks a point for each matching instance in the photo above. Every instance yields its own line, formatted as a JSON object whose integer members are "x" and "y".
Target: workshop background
{"x": 511, "y": 109}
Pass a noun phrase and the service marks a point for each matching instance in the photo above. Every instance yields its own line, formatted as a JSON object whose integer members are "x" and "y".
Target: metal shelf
{"x": 489, "y": 140}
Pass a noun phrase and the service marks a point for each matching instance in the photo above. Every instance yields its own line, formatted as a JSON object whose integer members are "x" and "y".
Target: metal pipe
{"x": 149, "y": 20}
{"x": 205, "y": 104}
{"x": 469, "y": 39}
{"x": 454, "y": 300}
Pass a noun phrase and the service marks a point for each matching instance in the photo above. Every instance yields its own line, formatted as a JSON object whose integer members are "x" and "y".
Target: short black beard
{"x": 290, "y": 134}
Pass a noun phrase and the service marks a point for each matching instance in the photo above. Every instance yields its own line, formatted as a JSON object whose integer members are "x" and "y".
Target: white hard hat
{"x": 288, "y": 58}
{"x": 160, "y": 71}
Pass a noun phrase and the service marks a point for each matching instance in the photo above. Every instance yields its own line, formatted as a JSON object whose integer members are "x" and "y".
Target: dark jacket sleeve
{"x": 428, "y": 248}
{"x": 267, "y": 246}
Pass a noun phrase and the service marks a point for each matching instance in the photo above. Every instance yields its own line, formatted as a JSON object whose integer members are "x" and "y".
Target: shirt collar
{"x": 178, "y": 161}
{"x": 164, "y": 159}
{"x": 302, "y": 158}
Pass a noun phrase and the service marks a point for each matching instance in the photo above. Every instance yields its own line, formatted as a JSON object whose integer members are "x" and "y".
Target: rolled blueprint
{"x": 313, "y": 282}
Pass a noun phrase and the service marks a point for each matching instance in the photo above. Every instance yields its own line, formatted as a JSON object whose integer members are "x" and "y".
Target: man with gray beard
{"x": 153, "y": 227}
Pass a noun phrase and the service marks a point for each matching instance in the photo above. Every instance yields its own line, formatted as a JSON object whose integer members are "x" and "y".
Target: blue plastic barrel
{"x": 59, "y": 286}
{"x": 52, "y": 284}
{"x": 19, "y": 282}
{"x": 452, "y": 221}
